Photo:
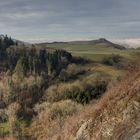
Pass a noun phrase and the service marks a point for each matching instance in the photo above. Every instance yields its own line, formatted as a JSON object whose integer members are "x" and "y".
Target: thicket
{"x": 37, "y": 61}
{"x": 81, "y": 91}
{"x": 118, "y": 62}
{"x": 29, "y": 72}
{"x": 5, "y": 42}
{"x": 71, "y": 72}
{"x": 51, "y": 118}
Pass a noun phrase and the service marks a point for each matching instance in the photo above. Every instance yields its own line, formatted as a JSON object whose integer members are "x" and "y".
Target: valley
{"x": 42, "y": 86}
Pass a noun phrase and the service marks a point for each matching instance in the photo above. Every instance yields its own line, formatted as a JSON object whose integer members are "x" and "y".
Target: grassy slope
{"x": 93, "y": 52}
{"x": 114, "y": 117}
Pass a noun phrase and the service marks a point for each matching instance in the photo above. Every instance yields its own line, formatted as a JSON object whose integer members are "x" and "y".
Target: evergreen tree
{"x": 21, "y": 68}
{"x": 36, "y": 65}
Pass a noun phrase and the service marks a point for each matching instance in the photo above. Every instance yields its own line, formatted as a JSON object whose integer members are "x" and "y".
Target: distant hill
{"x": 100, "y": 42}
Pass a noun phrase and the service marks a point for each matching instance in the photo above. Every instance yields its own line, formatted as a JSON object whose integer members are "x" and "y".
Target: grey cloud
{"x": 52, "y": 19}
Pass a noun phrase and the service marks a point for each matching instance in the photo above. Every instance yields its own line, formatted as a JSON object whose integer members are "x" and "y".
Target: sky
{"x": 61, "y": 20}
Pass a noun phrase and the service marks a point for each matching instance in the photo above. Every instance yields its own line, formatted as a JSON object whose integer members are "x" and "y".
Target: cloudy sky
{"x": 60, "y": 20}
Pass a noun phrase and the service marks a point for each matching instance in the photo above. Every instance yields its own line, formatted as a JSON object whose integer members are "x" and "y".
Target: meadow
{"x": 92, "y": 52}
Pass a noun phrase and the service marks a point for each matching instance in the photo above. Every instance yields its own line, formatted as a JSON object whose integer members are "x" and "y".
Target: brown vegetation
{"x": 51, "y": 118}
{"x": 82, "y": 91}
{"x": 46, "y": 92}
{"x": 113, "y": 117}
{"x": 116, "y": 110}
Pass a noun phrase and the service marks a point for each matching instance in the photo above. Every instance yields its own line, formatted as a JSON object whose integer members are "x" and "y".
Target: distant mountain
{"x": 100, "y": 42}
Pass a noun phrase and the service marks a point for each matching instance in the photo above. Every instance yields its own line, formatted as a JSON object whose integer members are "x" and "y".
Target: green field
{"x": 92, "y": 52}
{"x": 96, "y": 53}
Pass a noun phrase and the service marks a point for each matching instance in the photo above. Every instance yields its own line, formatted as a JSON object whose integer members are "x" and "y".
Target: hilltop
{"x": 102, "y": 42}
{"x": 94, "y": 50}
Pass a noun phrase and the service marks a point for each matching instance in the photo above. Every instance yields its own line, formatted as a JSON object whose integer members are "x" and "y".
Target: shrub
{"x": 114, "y": 117}
{"x": 63, "y": 109}
{"x": 119, "y": 62}
{"x": 71, "y": 72}
{"x": 80, "y": 91}
{"x": 3, "y": 115}
{"x": 80, "y": 60}
{"x": 21, "y": 68}
{"x": 51, "y": 118}
{"x": 112, "y": 60}
{"x": 26, "y": 93}
{"x": 12, "y": 117}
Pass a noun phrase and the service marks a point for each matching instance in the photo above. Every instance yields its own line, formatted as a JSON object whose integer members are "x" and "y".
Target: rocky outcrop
{"x": 84, "y": 131}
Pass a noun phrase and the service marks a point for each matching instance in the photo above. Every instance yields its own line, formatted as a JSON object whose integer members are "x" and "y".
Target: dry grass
{"x": 113, "y": 117}
{"x": 117, "y": 109}
{"x": 8, "y": 138}
{"x": 62, "y": 91}
{"x": 51, "y": 118}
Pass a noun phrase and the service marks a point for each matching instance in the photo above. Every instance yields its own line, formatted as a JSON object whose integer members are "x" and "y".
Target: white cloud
{"x": 131, "y": 42}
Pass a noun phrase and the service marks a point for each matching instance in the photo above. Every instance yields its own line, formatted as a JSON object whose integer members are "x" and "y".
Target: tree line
{"x": 24, "y": 61}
